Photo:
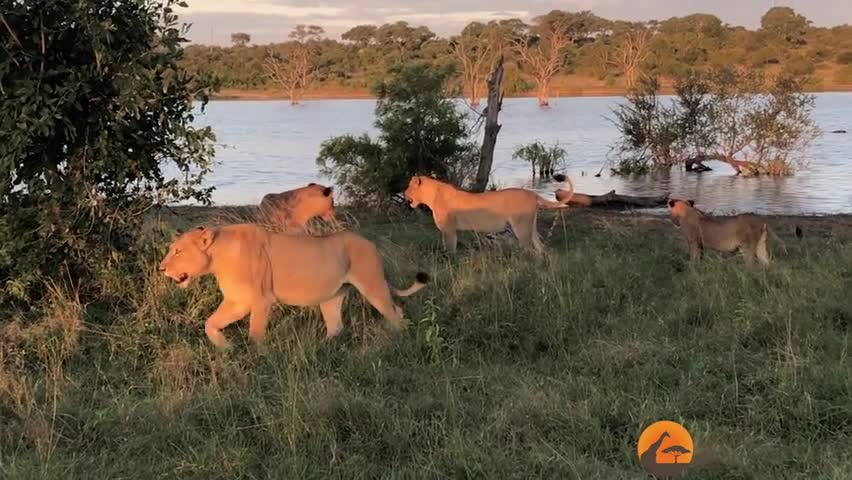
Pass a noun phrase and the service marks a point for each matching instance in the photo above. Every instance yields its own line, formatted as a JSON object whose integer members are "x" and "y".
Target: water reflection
{"x": 272, "y": 146}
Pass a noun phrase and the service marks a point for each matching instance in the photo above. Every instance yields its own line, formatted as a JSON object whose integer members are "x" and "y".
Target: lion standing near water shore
{"x": 746, "y": 233}
{"x": 486, "y": 212}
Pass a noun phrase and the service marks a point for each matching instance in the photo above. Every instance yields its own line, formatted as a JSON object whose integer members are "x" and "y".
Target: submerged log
{"x": 612, "y": 200}
{"x": 607, "y": 200}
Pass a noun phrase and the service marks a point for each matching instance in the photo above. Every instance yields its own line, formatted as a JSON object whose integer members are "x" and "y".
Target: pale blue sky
{"x": 270, "y": 20}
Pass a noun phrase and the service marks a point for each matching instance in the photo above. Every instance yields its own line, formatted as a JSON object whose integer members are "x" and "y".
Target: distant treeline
{"x": 611, "y": 52}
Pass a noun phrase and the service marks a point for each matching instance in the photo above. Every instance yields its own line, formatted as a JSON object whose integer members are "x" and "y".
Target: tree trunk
{"x": 612, "y": 200}
{"x": 695, "y": 164}
{"x": 474, "y": 94}
{"x": 543, "y": 100}
{"x": 492, "y": 128}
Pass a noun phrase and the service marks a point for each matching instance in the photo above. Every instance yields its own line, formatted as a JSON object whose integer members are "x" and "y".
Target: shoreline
{"x": 234, "y": 94}
{"x": 584, "y": 215}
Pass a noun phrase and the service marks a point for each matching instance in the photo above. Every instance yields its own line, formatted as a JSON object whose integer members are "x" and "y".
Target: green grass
{"x": 512, "y": 367}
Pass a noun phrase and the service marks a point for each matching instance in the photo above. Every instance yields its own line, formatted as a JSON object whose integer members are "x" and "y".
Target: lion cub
{"x": 746, "y": 233}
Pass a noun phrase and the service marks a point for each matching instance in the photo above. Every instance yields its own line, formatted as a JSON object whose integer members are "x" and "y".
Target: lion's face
{"x": 414, "y": 191}
{"x": 188, "y": 257}
{"x": 679, "y": 208}
{"x": 317, "y": 201}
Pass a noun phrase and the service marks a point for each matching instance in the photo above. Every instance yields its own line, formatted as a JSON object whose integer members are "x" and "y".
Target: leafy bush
{"x": 542, "y": 158}
{"x": 91, "y": 129}
{"x": 727, "y": 115}
{"x": 422, "y": 132}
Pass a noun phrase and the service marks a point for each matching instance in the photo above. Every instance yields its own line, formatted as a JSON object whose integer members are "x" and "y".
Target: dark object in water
{"x": 838, "y": 131}
{"x": 798, "y": 232}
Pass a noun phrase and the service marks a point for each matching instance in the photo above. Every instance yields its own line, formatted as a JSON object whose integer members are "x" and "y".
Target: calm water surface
{"x": 270, "y": 146}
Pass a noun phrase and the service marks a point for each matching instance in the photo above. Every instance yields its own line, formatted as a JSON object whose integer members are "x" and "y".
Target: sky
{"x": 270, "y": 20}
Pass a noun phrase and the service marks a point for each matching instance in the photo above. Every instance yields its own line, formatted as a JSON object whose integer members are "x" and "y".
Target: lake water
{"x": 271, "y": 146}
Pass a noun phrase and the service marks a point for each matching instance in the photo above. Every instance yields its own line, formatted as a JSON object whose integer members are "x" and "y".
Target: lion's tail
{"x": 420, "y": 281}
{"x": 561, "y": 195}
{"x": 550, "y": 204}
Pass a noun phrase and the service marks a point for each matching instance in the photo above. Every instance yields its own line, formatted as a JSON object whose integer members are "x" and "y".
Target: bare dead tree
{"x": 305, "y": 37}
{"x": 292, "y": 70}
{"x": 543, "y": 54}
{"x": 474, "y": 56}
{"x": 630, "y": 54}
{"x": 286, "y": 72}
{"x": 492, "y": 128}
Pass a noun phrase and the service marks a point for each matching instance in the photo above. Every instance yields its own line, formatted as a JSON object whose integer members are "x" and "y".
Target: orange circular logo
{"x": 665, "y": 449}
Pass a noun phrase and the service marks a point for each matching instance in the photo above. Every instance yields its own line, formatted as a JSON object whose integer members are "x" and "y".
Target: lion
{"x": 293, "y": 209}
{"x": 486, "y": 212}
{"x": 255, "y": 269}
{"x": 744, "y": 233}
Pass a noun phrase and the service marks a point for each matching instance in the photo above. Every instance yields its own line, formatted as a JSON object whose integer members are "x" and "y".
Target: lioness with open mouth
{"x": 256, "y": 269}
{"x": 486, "y": 212}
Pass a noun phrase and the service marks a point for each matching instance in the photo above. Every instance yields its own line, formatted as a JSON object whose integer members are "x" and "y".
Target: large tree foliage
{"x": 97, "y": 122}
{"x": 421, "y": 132}
{"x": 730, "y": 115}
{"x": 596, "y": 49}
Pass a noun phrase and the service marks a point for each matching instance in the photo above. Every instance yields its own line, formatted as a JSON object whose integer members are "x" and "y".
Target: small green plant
{"x": 434, "y": 343}
{"x": 542, "y": 158}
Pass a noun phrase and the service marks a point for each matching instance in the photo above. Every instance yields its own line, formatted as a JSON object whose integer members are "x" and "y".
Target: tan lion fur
{"x": 291, "y": 211}
{"x": 744, "y": 233}
{"x": 487, "y": 212}
{"x": 256, "y": 269}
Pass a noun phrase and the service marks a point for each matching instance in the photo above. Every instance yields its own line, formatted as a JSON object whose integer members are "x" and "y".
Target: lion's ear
{"x": 327, "y": 191}
{"x": 671, "y": 203}
{"x": 691, "y": 203}
{"x": 311, "y": 184}
{"x": 419, "y": 180}
{"x": 207, "y": 237}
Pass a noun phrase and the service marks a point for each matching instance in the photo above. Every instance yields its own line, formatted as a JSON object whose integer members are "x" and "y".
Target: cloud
{"x": 261, "y": 8}
{"x": 270, "y": 20}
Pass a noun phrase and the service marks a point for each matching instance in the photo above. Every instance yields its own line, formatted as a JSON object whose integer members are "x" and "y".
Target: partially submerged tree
{"x": 631, "y": 52}
{"x": 95, "y": 132}
{"x": 421, "y": 133}
{"x": 728, "y": 115}
{"x": 291, "y": 65}
{"x": 542, "y": 49}
{"x": 476, "y": 50}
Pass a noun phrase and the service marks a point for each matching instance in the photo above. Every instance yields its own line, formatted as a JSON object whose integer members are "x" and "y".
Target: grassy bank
{"x": 513, "y": 367}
